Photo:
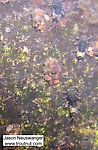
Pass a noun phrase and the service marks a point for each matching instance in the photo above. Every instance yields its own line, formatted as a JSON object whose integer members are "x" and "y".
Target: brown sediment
{"x": 39, "y": 19}
{"x": 52, "y": 70}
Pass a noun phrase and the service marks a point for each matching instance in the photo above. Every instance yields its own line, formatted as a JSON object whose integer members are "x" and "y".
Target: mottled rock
{"x": 52, "y": 71}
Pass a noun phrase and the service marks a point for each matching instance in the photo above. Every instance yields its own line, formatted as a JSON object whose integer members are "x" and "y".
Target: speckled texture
{"x": 26, "y": 98}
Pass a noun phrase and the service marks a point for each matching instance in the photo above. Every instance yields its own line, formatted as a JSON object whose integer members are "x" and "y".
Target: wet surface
{"x": 66, "y": 112}
{"x": 52, "y": 70}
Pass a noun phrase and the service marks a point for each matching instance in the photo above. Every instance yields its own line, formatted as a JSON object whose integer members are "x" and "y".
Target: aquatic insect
{"x": 73, "y": 112}
{"x": 73, "y": 104}
{"x": 82, "y": 45}
{"x": 58, "y": 11}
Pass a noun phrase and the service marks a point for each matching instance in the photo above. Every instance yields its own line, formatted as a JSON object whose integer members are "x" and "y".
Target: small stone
{"x": 46, "y": 17}
{"x": 39, "y": 19}
{"x": 7, "y": 29}
{"x": 90, "y": 52}
{"x": 52, "y": 70}
{"x": 9, "y": 128}
{"x": 13, "y": 129}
